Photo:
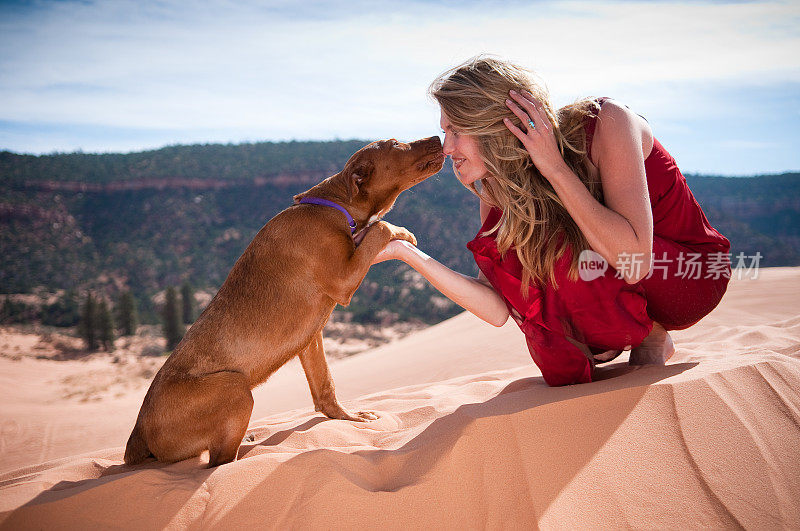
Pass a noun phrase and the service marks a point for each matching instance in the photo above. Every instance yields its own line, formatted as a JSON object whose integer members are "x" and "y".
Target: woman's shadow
{"x": 172, "y": 485}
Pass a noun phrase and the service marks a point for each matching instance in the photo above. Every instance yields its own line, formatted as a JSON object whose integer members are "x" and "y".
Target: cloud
{"x": 280, "y": 70}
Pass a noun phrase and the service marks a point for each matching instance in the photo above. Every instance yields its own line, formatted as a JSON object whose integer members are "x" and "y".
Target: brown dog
{"x": 273, "y": 306}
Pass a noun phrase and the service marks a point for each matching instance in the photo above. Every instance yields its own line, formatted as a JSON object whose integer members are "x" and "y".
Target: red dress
{"x": 688, "y": 279}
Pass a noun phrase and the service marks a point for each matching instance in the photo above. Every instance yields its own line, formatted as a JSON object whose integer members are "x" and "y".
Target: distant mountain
{"x": 156, "y": 218}
{"x": 757, "y": 214}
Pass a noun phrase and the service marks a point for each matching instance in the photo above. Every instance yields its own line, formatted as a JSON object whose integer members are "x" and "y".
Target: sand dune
{"x": 469, "y": 435}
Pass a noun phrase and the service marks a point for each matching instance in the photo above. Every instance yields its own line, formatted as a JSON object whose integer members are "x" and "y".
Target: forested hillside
{"x": 757, "y": 214}
{"x": 148, "y": 220}
{"x": 214, "y": 162}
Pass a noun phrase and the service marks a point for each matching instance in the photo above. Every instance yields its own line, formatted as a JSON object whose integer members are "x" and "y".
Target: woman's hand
{"x": 470, "y": 293}
{"x": 539, "y": 141}
{"x": 394, "y": 250}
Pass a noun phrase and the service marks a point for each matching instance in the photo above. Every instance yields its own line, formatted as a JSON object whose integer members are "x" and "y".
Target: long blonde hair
{"x": 472, "y": 96}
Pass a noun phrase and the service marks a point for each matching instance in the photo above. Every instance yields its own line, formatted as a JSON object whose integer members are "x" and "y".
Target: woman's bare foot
{"x": 608, "y": 355}
{"x": 656, "y": 348}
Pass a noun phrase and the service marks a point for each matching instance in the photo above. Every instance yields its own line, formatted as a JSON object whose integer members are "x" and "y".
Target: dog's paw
{"x": 360, "y": 416}
{"x": 400, "y": 233}
{"x": 342, "y": 414}
{"x": 407, "y": 236}
{"x": 364, "y": 416}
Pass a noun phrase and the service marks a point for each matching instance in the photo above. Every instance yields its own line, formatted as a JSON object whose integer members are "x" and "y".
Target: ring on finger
{"x": 531, "y": 125}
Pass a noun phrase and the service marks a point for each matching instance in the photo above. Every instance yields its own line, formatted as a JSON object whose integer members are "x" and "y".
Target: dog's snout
{"x": 430, "y": 144}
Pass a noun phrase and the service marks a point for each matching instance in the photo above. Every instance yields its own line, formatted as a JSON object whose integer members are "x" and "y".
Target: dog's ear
{"x": 356, "y": 176}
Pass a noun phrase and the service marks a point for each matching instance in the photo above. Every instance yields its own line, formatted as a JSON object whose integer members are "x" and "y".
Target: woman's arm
{"x": 473, "y": 294}
{"x": 622, "y": 230}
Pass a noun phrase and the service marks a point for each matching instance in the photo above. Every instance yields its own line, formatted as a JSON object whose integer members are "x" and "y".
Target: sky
{"x": 719, "y": 82}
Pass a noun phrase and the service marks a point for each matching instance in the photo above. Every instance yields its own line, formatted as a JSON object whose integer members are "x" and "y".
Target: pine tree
{"x": 105, "y": 326}
{"x": 65, "y": 311}
{"x": 187, "y": 298}
{"x": 7, "y": 311}
{"x": 127, "y": 314}
{"x": 88, "y": 324}
{"x": 173, "y": 328}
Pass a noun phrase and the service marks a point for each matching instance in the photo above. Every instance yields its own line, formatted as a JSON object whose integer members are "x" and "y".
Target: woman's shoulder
{"x": 610, "y": 108}
{"x": 616, "y": 122}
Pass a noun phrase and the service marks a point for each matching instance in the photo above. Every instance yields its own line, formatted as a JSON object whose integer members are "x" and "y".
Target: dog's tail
{"x": 136, "y": 451}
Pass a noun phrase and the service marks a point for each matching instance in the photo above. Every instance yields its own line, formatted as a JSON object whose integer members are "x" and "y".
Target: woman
{"x": 588, "y": 183}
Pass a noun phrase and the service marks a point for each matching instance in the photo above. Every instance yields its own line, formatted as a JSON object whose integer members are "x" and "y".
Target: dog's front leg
{"x": 319, "y": 380}
{"x": 354, "y": 269}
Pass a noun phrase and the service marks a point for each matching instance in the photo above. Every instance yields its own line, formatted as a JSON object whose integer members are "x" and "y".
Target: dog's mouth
{"x": 435, "y": 163}
{"x": 428, "y": 168}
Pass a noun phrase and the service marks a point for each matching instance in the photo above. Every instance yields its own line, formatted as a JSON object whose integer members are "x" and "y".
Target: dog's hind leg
{"x": 210, "y": 412}
{"x": 136, "y": 450}
{"x": 235, "y": 407}
{"x": 321, "y": 383}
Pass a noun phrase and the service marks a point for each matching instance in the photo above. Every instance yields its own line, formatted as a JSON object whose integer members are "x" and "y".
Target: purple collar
{"x": 340, "y": 208}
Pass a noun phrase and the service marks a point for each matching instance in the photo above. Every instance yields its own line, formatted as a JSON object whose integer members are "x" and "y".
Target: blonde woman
{"x": 590, "y": 239}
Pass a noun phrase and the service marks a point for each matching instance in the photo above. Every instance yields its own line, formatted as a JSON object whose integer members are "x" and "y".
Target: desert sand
{"x": 469, "y": 435}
